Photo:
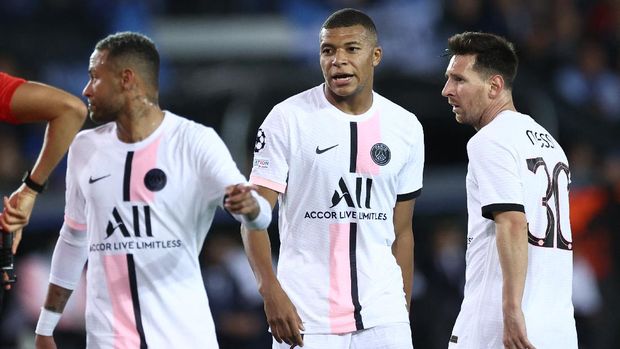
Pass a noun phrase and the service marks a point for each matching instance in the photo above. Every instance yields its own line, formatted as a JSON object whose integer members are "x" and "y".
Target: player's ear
{"x": 128, "y": 78}
{"x": 496, "y": 84}
{"x": 377, "y": 53}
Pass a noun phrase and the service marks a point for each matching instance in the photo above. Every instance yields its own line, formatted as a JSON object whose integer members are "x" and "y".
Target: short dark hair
{"x": 133, "y": 48}
{"x": 494, "y": 54}
{"x": 348, "y": 17}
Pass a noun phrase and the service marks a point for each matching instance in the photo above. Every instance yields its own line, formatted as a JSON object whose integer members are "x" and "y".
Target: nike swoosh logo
{"x": 321, "y": 151}
{"x": 92, "y": 180}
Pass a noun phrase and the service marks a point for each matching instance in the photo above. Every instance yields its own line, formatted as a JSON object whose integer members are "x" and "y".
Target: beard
{"x": 461, "y": 119}
{"x": 102, "y": 115}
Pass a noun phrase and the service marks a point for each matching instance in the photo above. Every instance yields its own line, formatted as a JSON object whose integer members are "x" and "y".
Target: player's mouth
{"x": 342, "y": 79}
{"x": 454, "y": 106}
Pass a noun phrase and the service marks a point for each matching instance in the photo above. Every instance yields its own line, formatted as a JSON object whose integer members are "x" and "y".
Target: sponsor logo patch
{"x": 261, "y": 163}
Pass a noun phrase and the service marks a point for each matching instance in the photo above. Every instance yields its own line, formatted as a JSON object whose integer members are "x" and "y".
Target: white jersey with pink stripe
{"x": 339, "y": 177}
{"x": 146, "y": 208}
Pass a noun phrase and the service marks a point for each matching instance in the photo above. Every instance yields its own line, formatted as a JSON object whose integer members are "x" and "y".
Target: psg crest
{"x": 380, "y": 154}
{"x": 155, "y": 180}
{"x": 260, "y": 141}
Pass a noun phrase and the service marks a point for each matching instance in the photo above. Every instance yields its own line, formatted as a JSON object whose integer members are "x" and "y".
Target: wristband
{"x": 47, "y": 322}
{"x": 39, "y": 188}
{"x": 263, "y": 219}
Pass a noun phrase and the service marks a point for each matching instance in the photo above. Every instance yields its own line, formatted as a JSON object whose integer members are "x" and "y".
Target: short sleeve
{"x": 75, "y": 215}
{"x": 496, "y": 171}
{"x": 410, "y": 176}
{"x": 8, "y": 85}
{"x": 216, "y": 167}
{"x": 271, "y": 153}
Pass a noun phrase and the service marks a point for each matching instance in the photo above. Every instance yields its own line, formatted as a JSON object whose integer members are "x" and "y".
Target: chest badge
{"x": 380, "y": 154}
{"x": 155, "y": 179}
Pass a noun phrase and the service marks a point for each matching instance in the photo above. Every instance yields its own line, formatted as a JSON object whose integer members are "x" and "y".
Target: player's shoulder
{"x": 305, "y": 101}
{"x": 502, "y": 128}
{"x": 489, "y": 138}
{"x": 88, "y": 141}
{"x": 395, "y": 110}
{"x": 302, "y": 98}
{"x": 91, "y": 135}
{"x": 508, "y": 130}
{"x": 179, "y": 126}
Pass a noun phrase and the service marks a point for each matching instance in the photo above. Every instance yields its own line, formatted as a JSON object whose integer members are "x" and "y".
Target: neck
{"x": 494, "y": 110}
{"x": 354, "y": 104}
{"x": 139, "y": 121}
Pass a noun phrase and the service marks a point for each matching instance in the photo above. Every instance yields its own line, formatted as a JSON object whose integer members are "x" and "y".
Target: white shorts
{"x": 392, "y": 336}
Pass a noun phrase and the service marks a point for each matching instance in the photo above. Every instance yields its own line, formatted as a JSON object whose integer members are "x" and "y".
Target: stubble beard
{"x": 101, "y": 116}
{"x": 459, "y": 118}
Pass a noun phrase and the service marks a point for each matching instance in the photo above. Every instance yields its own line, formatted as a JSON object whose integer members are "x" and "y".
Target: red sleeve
{"x": 8, "y": 85}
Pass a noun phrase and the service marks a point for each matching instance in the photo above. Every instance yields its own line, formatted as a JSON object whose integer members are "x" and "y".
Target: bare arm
{"x": 403, "y": 243}
{"x": 512, "y": 248}
{"x": 70, "y": 256}
{"x": 57, "y": 298}
{"x": 65, "y": 115}
{"x": 281, "y": 314}
{"x": 55, "y": 301}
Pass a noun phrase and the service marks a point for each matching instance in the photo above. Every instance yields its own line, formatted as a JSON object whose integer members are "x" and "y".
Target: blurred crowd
{"x": 569, "y": 54}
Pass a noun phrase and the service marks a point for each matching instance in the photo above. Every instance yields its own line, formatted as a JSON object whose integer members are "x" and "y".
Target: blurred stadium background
{"x": 226, "y": 63}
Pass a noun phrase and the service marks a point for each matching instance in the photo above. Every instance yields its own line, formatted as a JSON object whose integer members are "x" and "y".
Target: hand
{"x": 16, "y": 213}
{"x": 44, "y": 342}
{"x": 239, "y": 200}
{"x": 285, "y": 323}
{"x": 4, "y": 279}
{"x": 515, "y": 333}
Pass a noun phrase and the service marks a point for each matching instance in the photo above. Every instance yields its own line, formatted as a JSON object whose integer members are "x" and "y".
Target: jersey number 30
{"x": 554, "y": 223}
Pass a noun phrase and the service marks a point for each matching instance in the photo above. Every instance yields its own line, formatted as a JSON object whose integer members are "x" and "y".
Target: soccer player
{"x": 346, "y": 165}
{"x": 27, "y": 101}
{"x": 142, "y": 190}
{"x": 519, "y": 255}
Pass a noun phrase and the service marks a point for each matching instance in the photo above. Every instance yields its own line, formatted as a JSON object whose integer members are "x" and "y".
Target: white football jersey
{"x": 146, "y": 208}
{"x": 516, "y": 165}
{"x": 339, "y": 177}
